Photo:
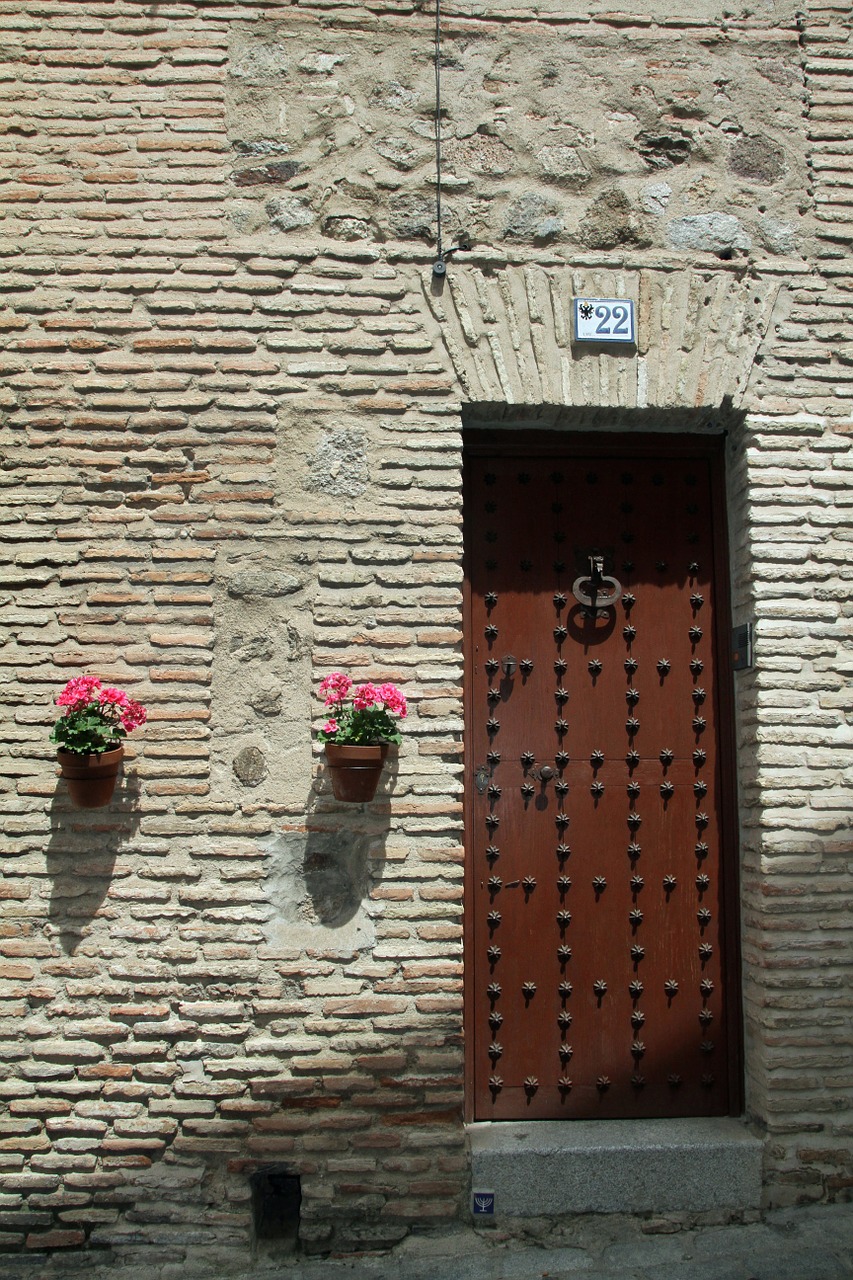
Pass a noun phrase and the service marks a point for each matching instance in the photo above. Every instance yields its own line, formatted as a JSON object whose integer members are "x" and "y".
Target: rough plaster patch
{"x": 339, "y": 465}
{"x": 260, "y": 582}
{"x": 318, "y": 883}
{"x": 259, "y": 62}
{"x": 562, "y": 164}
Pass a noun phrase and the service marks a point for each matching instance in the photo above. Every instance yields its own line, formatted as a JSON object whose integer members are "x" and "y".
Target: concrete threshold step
{"x": 616, "y": 1166}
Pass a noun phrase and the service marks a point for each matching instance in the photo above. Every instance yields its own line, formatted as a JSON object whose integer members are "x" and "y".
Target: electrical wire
{"x": 438, "y": 128}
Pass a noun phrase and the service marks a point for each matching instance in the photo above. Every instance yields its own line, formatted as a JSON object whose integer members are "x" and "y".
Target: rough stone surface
{"x": 708, "y": 232}
{"x": 533, "y": 217}
{"x": 250, "y": 766}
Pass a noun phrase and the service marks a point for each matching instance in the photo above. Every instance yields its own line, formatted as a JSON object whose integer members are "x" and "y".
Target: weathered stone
{"x": 255, "y": 584}
{"x": 255, "y": 61}
{"x": 277, "y": 171}
{"x": 610, "y": 221}
{"x": 288, "y": 213}
{"x": 533, "y": 217}
{"x": 399, "y": 152}
{"x": 778, "y": 237}
{"x": 709, "y": 232}
{"x": 663, "y": 150}
{"x": 266, "y": 699}
{"x": 655, "y": 198}
{"x": 346, "y": 227}
{"x": 562, "y": 164}
{"x": 250, "y": 766}
{"x": 412, "y": 217}
{"x": 757, "y": 159}
{"x": 338, "y": 465}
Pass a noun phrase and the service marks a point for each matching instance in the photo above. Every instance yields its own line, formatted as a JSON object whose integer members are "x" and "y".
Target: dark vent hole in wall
{"x": 276, "y": 1198}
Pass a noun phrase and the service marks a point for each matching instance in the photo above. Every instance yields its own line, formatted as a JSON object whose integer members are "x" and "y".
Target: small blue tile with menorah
{"x": 483, "y": 1203}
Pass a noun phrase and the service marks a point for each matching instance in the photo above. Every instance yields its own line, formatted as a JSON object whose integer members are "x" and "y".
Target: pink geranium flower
{"x": 368, "y": 718}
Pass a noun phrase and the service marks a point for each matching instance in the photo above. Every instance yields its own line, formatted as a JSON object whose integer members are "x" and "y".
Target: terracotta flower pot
{"x": 355, "y": 771}
{"x": 90, "y": 780}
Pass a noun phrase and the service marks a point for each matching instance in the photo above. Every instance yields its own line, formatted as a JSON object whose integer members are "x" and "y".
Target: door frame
{"x": 569, "y": 446}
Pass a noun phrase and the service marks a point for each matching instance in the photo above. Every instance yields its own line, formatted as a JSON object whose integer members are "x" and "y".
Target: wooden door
{"x": 601, "y": 929}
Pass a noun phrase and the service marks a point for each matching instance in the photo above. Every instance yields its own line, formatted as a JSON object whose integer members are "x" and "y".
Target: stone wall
{"x": 231, "y": 406}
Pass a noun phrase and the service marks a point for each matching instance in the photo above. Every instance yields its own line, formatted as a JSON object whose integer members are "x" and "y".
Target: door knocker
{"x": 596, "y": 590}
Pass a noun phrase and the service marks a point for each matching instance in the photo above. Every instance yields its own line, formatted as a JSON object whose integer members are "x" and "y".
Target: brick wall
{"x": 230, "y": 430}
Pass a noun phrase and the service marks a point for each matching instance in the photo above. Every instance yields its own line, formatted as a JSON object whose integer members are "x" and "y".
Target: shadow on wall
{"x": 320, "y": 879}
{"x": 81, "y": 855}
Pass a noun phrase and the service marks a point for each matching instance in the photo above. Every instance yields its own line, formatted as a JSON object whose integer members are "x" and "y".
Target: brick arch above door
{"x": 507, "y": 331}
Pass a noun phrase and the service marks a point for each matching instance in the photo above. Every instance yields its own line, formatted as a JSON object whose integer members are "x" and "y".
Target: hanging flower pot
{"x": 90, "y": 779}
{"x": 355, "y": 771}
{"x": 361, "y": 725}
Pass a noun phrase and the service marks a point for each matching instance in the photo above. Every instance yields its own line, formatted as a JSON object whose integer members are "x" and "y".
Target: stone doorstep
{"x": 616, "y": 1166}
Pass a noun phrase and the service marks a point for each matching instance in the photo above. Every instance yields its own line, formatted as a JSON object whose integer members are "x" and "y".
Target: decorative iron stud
{"x": 699, "y": 724}
{"x": 491, "y": 599}
{"x": 493, "y": 991}
{"x": 493, "y": 695}
{"x": 699, "y": 756}
{"x": 705, "y": 951}
{"x": 664, "y": 666}
{"x": 595, "y": 667}
{"x": 698, "y": 695}
{"x": 528, "y": 990}
{"x": 565, "y": 1051}
{"x": 633, "y": 790}
{"x": 492, "y": 821}
{"x": 706, "y": 987}
{"x": 637, "y": 954}
{"x": 559, "y": 599}
{"x": 531, "y": 1084}
{"x": 494, "y": 954}
{"x": 634, "y": 850}
{"x": 564, "y": 954}
{"x": 525, "y": 565}
{"x": 492, "y": 725}
{"x": 630, "y": 633}
{"x": 560, "y": 666}
{"x": 632, "y": 725}
{"x": 564, "y": 1018}
{"x": 560, "y": 634}
{"x": 661, "y": 566}
{"x": 628, "y": 566}
{"x": 492, "y": 666}
{"x": 493, "y": 852}
{"x": 494, "y": 884}
{"x": 629, "y": 599}
{"x": 703, "y": 915}
{"x": 528, "y": 759}
{"x": 526, "y": 666}
{"x": 634, "y": 821}
{"x": 638, "y": 1081}
{"x": 693, "y": 568}
{"x": 701, "y": 849}
{"x": 561, "y": 759}
{"x": 702, "y": 882}
{"x": 632, "y": 758}
{"x": 674, "y": 1081}
{"x": 602, "y": 1084}
{"x": 637, "y": 1018}
{"x": 692, "y": 539}
{"x": 596, "y": 759}
{"x": 637, "y": 884}
{"x": 695, "y": 634}
{"x": 630, "y": 665}
{"x": 702, "y": 820}
{"x": 599, "y": 884}
{"x": 697, "y": 666}
{"x": 638, "y": 1048}
{"x": 528, "y": 790}
{"x": 491, "y": 632}
{"x": 491, "y": 535}
{"x": 599, "y": 987}
{"x": 564, "y": 883}
{"x": 561, "y": 726}
{"x": 666, "y": 757}
{"x": 559, "y": 566}
{"x": 562, "y": 820}
{"x": 700, "y": 788}
{"x": 671, "y": 988}
{"x": 635, "y": 916}
{"x": 669, "y": 883}
{"x": 565, "y": 989}
{"x": 707, "y": 1046}
{"x": 494, "y": 790}
{"x": 627, "y": 537}
{"x": 495, "y": 1050}
{"x": 708, "y": 1081}
{"x": 493, "y": 919}
{"x": 496, "y": 1084}
{"x": 667, "y": 789}
{"x": 635, "y": 988}
{"x": 706, "y": 1017}
{"x": 495, "y": 1020}
{"x": 632, "y": 696}
{"x": 597, "y": 789}
{"x": 564, "y": 919}
{"x": 696, "y": 600}
{"x": 563, "y": 851}
{"x": 561, "y": 788}
{"x": 564, "y": 1084}
{"x": 561, "y": 695}
{"x": 528, "y": 884}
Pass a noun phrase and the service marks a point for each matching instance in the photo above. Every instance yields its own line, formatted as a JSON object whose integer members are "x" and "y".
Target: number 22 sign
{"x": 604, "y": 320}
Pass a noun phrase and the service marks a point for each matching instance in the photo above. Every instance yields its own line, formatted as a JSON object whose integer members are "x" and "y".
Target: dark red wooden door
{"x": 598, "y": 936}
